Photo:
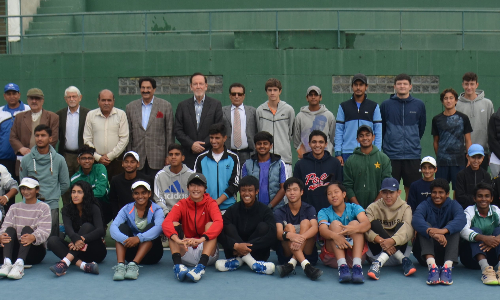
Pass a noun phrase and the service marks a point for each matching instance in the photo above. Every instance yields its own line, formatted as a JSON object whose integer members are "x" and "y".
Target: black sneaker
{"x": 285, "y": 270}
{"x": 312, "y": 272}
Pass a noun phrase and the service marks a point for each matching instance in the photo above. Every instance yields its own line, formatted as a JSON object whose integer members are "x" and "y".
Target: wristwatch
{"x": 284, "y": 236}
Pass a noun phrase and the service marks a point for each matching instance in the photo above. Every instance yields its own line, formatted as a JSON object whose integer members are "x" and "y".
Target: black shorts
{"x": 408, "y": 169}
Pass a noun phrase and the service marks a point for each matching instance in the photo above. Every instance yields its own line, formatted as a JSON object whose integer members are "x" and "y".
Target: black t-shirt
{"x": 120, "y": 190}
{"x": 284, "y": 214}
{"x": 451, "y": 131}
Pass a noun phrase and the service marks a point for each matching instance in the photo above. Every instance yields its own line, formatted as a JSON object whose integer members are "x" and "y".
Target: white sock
{"x": 399, "y": 256}
{"x": 249, "y": 260}
{"x": 356, "y": 261}
{"x": 383, "y": 258}
{"x": 483, "y": 263}
{"x": 448, "y": 264}
{"x": 341, "y": 261}
{"x": 82, "y": 266}
{"x": 7, "y": 261}
{"x": 293, "y": 261}
{"x": 431, "y": 262}
{"x": 304, "y": 263}
{"x": 20, "y": 261}
{"x": 66, "y": 261}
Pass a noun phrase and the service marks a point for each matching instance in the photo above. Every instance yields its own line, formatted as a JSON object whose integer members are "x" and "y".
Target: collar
{"x": 202, "y": 100}
{"x": 490, "y": 212}
{"x": 150, "y": 103}
{"x": 77, "y": 111}
{"x": 241, "y": 107}
{"x": 113, "y": 111}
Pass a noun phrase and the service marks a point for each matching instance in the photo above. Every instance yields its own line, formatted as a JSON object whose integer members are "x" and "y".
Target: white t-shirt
{"x": 217, "y": 157}
{"x": 494, "y": 159}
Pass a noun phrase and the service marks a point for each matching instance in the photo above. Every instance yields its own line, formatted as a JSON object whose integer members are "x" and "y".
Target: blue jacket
{"x": 450, "y": 216}
{"x": 350, "y": 118}
{"x": 273, "y": 181}
{"x": 403, "y": 125}
{"x": 223, "y": 177}
{"x": 7, "y": 116}
{"x": 127, "y": 214}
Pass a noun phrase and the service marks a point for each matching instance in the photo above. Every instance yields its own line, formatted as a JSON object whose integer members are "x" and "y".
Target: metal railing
{"x": 210, "y": 31}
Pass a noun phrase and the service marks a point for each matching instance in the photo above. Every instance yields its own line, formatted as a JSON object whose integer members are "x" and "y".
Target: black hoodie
{"x": 466, "y": 182}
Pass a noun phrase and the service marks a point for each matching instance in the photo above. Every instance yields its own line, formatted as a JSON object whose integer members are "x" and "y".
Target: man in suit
{"x": 71, "y": 124}
{"x": 151, "y": 122}
{"x": 241, "y": 123}
{"x": 22, "y": 138}
{"x": 193, "y": 118}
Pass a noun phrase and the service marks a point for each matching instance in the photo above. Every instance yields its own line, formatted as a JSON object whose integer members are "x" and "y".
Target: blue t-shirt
{"x": 419, "y": 191}
{"x": 350, "y": 214}
{"x": 264, "y": 179}
{"x": 284, "y": 214}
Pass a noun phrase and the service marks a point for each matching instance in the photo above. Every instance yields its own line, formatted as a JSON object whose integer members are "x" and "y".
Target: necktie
{"x": 237, "y": 129}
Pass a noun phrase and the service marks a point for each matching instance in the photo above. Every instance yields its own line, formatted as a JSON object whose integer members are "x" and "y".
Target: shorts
{"x": 297, "y": 227}
{"x": 449, "y": 173}
{"x": 329, "y": 259}
{"x": 408, "y": 169}
{"x": 192, "y": 256}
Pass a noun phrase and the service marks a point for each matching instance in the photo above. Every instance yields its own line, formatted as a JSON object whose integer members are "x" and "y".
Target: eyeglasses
{"x": 71, "y": 97}
{"x": 86, "y": 158}
{"x": 237, "y": 94}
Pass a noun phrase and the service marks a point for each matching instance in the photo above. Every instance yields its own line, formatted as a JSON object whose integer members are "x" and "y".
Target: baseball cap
{"x": 390, "y": 184}
{"x": 429, "y": 160}
{"x": 29, "y": 183}
{"x": 195, "y": 176}
{"x": 475, "y": 149}
{"x": 314, "y": 88}
{"x": 35, "y": 92}
{"x": 141, "y": 183}
{"x": 132, "y": 153}
{"x": 359, "y": 76}
{"x": 364, "y": 128}
{"x": 11, "y": 87}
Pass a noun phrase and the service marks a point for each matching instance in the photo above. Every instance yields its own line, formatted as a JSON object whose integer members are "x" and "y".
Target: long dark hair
{"x": 88, "y": 203}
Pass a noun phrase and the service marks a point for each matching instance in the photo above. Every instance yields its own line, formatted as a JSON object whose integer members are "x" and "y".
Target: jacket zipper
{"x": 195, "y": 213}
{"x": 404, "y": 138}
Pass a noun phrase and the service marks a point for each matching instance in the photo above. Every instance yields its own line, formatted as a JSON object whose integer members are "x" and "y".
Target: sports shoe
{"x": 408, "y": 267}
{"x": 132, "y": 271}
{"x": 498, "y": 274}
{"x": 196, "y": 273}
{"x": 445, "y": 276}
{"x": 17, "y": 271}
{"x": 374, "y": 271}
{"x": 433, "y": 277}
{"x": 120, "y": 270}
{"x": 344, "y": 274}
{"x": 357, "y": 274}
{"x": 91, "y": 268}
{"x": 224, "y": 265}
{"x": 59, "y": 268}
{"x": 180, "y": 272}
{"x": 285, "y": 270}
{"x": 5, "y": 269}
{"x": 263, "y": 267}
{"x": 312, "y": 272}
{"x": 489, "y": 276}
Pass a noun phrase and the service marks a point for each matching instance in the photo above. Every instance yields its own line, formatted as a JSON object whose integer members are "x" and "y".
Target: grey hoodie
{"x": 280, "y": 126}
{"x": 479, "y": 112}
{"x": 307, "y": 121}
{"x": 170, "y": 187}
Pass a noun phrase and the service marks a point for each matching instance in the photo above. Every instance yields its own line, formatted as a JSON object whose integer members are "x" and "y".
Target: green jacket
{"x": 363, "y": 175}
{"x": 97, "y": 178}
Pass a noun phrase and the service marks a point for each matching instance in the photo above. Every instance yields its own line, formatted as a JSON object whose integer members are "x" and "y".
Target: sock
{"x": 134, "y": 262}
{"x": 304, "y": 263}
{"x": 483, "y": 263}
{"x": 248, "y": 259}
{"x": 7, "y": 261}
{"x": 497, "y": 266}
{"x": 176, "y": 257}
{"x": 356, "y": 261}
{"x": 82, "y": 266}
{"x": 203, "y": 260}
{"x": 66, "y": 261}
{"x": 20, "y": 261}
{"x": 399, "y": 256}
{"x": 239, "y": 260}
{"x": 448, "y": 264}
{"x": 341, "y": 261}
{"x": 431, "y": 262}
{"x": 383, "y": 258}
{"x": 293, "y": 262}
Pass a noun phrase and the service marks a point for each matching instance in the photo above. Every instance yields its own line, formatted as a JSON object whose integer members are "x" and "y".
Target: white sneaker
{"x": 228, "y": 264}
{"x": 5, "y": 269}
{"x": 263, "y": 267}
{"x": 17, "y": 271}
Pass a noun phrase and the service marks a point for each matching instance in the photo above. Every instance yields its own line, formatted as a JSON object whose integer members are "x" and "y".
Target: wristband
{"x": 284, "y": 236}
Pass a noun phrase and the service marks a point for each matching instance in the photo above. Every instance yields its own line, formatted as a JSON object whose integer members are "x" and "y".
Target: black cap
{"x": 359, "y": 76}
{"x": 197, "y": 176}
{"x": 364, "y": 128}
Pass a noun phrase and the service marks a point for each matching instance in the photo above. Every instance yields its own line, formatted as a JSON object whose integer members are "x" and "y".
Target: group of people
{"x": 230, "y": 181}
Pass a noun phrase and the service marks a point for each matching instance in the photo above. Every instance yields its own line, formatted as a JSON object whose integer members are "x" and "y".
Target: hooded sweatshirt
{"x": 313, "y": 173}
{"x": 170, "y": 187}
{"x": 280, "y": 125}
{"x": 51, "y": 171}
{"x": 363, "y": 175}
{"x": 466, "y": 182}
{"x": 307, "y": 121}
{"x": 390, "y": 217}
{"x": 479, "y": 112}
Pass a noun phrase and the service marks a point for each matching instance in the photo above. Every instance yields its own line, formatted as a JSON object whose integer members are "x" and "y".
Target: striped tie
{"x": 237, "y": 129}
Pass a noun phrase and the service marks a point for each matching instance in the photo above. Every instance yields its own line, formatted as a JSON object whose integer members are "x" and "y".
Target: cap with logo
{"x": 35, "y": 92}
{"x": 475, "y": 149}
{"x": 197, "y": 176}
{"x": 11, "y": 87}
{"x": 314, "y": 88}
{"x": 133, "y": 154}
{"x": 141, "y": 183}
{"x": 361, "y": 77}
{"x": 364, "y": 128}
{"x": 429, "y": 160}
{"x": 390, "y": 184}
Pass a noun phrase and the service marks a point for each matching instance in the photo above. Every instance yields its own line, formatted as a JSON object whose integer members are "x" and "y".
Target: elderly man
{"x": 106, "y": 130}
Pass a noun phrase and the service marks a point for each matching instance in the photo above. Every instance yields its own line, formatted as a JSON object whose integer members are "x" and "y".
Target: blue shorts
{"x": 449, "y": 173}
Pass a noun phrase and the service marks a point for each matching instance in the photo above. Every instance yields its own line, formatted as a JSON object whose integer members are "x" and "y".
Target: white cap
{"x": 141, "y": 183}
{"x": 430, "y": 160}
{"x": 29, "y": 183}
{"x": 134, "y": 154}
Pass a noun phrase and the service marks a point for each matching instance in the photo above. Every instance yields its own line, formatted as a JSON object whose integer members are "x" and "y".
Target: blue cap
{"x": 475, "y": 149}
{"x": 11, "y": 87}
{"x": 390, "y": 184}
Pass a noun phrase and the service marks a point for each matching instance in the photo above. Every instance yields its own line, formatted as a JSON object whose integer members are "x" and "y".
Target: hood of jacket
{"x": 395, "y": 97}
{"x": 172, "y": 174}
{"x": 310, "y": 156}
{"x": 399, "y": 202}
{"x": 192, "y": 204}
{"x": 479, "y": 97}
{"x": 306, "y": 110}
{"x": 43, "y": 159}
{"x": 358, "y": 151}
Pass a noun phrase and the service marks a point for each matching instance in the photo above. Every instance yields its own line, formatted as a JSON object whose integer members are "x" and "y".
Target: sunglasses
{"x": 239, "y": 94}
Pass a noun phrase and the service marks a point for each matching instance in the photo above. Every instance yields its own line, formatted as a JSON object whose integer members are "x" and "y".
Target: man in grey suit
{"x": 151, "y": 122}
{"x": 241, "y": 123}
{"x": 193, "y": 118}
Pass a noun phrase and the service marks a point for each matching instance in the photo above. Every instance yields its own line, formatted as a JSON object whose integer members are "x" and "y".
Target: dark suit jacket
{"x": 185, "y": 125}
{"x": 21, "y": 131}
{"x": 63, "y": 115}
{"x": 251, "y": 125}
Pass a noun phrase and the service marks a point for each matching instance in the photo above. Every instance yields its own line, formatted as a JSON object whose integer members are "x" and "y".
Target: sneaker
{"x": 285, "y": 270}
{"x": 91, "y": 268}
{"x": 263, "y": 267}
{"x": 489, "y": 276}
{"x": 445, "y": 276}
{"x": 408, "y": 267}
{"x": 132, "y": 271}
{"x": 120, "y": 270}
{"x": 344, "y": 274}
{"x": 59, "y": 268}
{"x": 17, "y": 271}
{"x": 5, "y": 269}
{"x": 224, "y": 265}
{"x": 357, "y": 274}
{"x": 180, "y": 272}
{"x": 498, "y": 275}
{"x": 433, "y": 277}
{"x": 374, "y": 271}
{"x": 196, "y": 273}
{"x": 312, "y": 272}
